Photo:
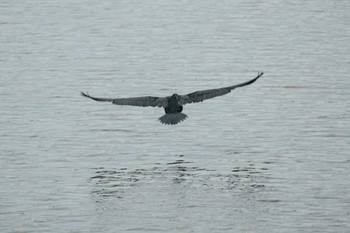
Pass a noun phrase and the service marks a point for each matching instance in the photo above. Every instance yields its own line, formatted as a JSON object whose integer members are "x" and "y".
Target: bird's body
{"x": 173, "y": 111}
{"x": 173, "y": 105}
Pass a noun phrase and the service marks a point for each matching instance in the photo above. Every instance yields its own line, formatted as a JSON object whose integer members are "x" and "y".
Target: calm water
{"x": 270, "y": 157}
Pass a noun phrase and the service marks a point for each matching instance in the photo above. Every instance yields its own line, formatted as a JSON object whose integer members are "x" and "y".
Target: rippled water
{"x": 270, "y": 157}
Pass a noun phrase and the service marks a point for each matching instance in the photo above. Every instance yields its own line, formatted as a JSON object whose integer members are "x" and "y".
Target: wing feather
{"x": 145, "y": 101}
{"x": 199, "y": 96}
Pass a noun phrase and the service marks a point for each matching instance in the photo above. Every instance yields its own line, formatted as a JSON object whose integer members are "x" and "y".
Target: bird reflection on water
{"x": 109, "y": 183}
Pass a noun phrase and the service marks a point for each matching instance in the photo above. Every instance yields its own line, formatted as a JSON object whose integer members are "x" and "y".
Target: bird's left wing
{"x": 145, "y": 101}
{"x": 200, "y": 96}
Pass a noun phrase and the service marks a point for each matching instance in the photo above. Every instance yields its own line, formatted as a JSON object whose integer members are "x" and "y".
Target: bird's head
{"x": 175, "y": 97}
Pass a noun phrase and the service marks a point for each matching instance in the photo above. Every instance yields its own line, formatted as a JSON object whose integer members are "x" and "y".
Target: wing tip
{"x": 256, "y": 78}
{"x": 86, "y": 94}
{"x": 259, "y": 75}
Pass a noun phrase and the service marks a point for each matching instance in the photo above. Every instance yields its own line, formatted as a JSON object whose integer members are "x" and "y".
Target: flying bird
{"x": 173, "y": 105}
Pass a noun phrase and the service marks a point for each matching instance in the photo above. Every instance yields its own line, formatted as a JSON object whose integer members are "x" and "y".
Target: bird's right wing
{"x": 200, "y": 96}
{"x": 145, "y": 101}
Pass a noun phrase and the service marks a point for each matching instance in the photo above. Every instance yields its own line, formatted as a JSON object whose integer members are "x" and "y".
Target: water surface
{"x": 270, "y": 157}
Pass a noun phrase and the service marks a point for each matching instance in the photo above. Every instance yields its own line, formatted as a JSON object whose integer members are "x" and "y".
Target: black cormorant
{"x": 173, "y": 105}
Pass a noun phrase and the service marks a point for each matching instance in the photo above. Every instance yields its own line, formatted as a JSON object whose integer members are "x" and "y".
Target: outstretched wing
{"x": 145, "y": 101}
{"x": 200, "y": 96}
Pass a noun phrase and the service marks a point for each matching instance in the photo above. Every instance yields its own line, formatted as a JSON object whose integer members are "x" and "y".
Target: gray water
{"x": 269, "y": 157}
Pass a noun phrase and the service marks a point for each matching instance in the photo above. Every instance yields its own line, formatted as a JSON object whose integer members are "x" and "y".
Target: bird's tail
{"x": 172, "y": 118}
